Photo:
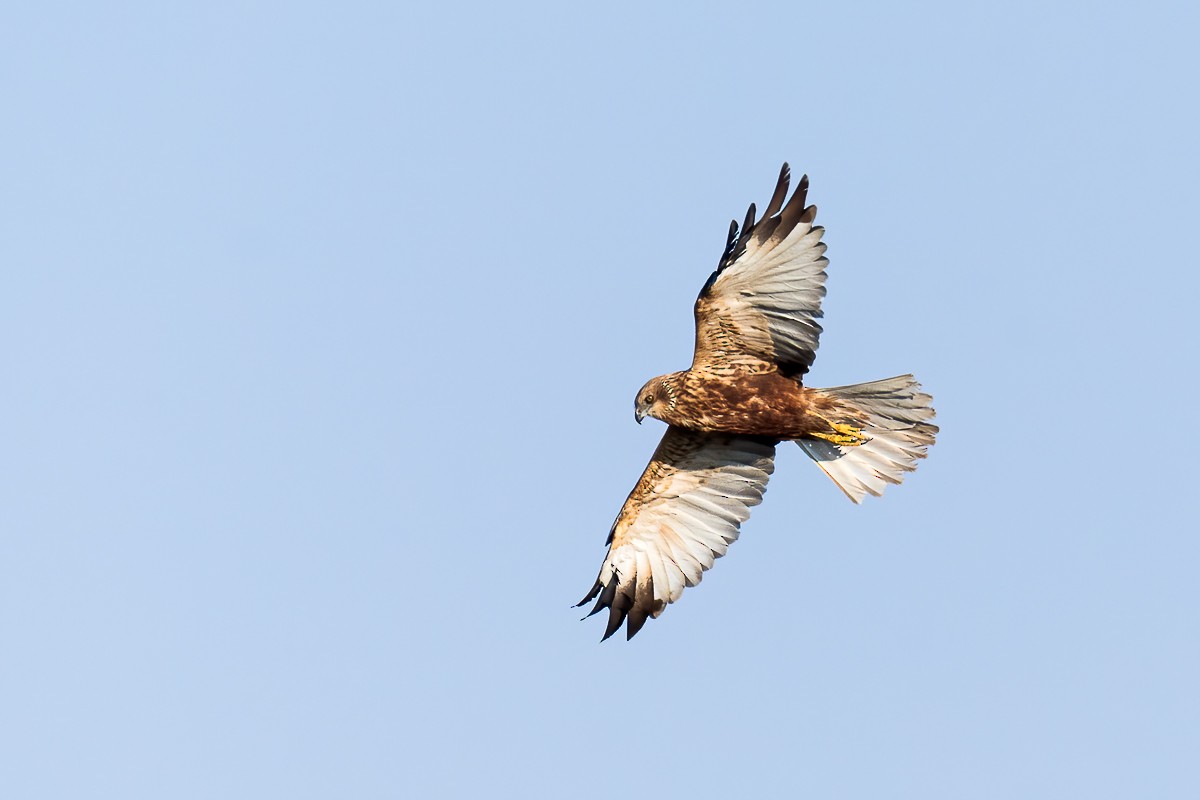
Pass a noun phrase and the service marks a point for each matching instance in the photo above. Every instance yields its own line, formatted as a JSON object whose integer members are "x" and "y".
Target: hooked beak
{"x": 639, "y": 415}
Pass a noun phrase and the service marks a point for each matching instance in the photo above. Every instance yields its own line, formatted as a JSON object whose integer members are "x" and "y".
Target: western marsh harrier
{"x": 756, "y": 337}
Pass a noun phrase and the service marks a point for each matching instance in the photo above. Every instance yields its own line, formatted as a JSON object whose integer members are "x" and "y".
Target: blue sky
{"x": 320, "y": 331}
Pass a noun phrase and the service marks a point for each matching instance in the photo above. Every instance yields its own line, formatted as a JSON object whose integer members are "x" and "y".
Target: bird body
{"x": 754, "y": 403}
{"x": 756, "y": 337}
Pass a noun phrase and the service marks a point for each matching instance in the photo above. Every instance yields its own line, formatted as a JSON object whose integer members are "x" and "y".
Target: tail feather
{"x": 898, "y": 415}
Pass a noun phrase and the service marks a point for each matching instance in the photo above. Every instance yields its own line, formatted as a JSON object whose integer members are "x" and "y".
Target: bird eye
{"x": 649, "y": 398}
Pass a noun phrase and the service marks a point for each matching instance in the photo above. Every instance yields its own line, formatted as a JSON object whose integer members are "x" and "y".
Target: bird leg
{"x": 842, "y": 435}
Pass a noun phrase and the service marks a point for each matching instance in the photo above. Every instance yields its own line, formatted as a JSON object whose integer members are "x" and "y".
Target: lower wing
{"x": 681, "y": 517}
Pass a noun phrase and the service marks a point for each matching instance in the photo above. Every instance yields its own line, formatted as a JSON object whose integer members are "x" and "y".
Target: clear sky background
{"x": 320, "y": 327}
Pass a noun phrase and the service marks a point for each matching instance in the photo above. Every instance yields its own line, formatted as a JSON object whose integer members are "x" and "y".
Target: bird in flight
{"x": 756, "y": 337}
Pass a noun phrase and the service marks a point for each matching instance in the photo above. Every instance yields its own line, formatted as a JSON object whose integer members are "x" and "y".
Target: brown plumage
{"x": 756, "y": 337}
{"x": 752, "y": 403}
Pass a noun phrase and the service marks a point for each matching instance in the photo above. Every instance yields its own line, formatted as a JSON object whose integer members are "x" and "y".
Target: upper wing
{"x": 760, "y": 307}
{"x": 680, "y": 518}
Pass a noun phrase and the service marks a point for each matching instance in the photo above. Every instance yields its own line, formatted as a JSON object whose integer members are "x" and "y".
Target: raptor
{"x": 756, "y": 338}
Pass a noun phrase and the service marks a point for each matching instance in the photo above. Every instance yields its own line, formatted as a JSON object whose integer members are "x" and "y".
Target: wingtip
{"x": 796, "y": 211}
{"x": 587, "y": 598}
{"x": 595, "y": 610}
{"x": 781, "y": 188}
{"x": 748, "y": 224}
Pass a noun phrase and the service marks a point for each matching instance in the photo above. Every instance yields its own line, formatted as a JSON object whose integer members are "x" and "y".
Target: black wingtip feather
{"x": 732, "y": 240}
{"x": 603, "y": 600}
{"x": 595, "y": 610}
{"x": 615, "y": 617}
{"x": 795, "y": 210}
{"x": 595, "y": 590}
{"x": 637, "y": 618}
{"x": 749, "y": 223}
{"x": 781, "y": 188}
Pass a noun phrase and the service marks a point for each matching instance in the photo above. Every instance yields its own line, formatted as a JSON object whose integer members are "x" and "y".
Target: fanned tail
{"x": 897, "y": 421}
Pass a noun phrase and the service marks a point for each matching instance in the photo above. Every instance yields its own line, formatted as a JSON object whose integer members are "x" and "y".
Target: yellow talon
{"x": 843, "y": 435}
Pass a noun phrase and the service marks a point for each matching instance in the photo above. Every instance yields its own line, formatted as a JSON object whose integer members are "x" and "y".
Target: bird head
{"x": 651, "y": 400}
